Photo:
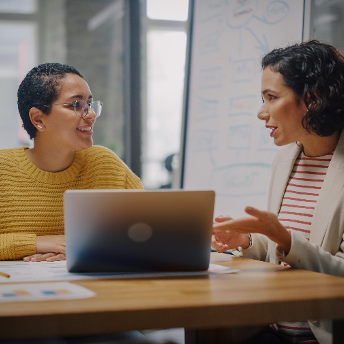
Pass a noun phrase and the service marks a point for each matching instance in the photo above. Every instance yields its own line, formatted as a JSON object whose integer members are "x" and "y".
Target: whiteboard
{"x": 225, "y": 147}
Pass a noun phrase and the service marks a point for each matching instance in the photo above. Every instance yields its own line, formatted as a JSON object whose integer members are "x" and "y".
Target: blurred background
{"x": 132, "y": 53}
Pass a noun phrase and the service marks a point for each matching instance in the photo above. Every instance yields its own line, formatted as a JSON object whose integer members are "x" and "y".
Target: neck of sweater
{"x": 49, "y": 177}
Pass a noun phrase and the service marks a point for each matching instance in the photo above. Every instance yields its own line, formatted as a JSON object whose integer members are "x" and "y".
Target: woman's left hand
{"x": 49, "y": 257}
{"x": 263, "y": 222}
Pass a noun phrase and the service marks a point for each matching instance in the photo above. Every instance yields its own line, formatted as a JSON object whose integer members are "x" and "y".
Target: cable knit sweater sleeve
{"x": 15, "y": 240}
{"x": 17, "y": 245}
{"x": 31, "y": 200}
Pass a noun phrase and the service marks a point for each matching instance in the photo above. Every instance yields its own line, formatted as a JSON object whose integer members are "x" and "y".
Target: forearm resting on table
{"x": 49, "y": 248}
{"x": 51, "y": 244}
{"x": 15, "y": 246}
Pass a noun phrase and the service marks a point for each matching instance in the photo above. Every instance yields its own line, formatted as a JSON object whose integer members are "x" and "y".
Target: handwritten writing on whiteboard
{"x": 227, "y": 148}
{"x": 206, "y": 108}
{"x": 240, "y": 12}
{"x": 210, "y": 43}
{"x": 275, "y": 12}
{"x": 244, "y": 70}
{"x": 242, "y": 106}
{"x": 205, "y": 140}
{"x": 210, "y": 77}
{"x": 241, "y": 179}
{"x": 239, "y": 137}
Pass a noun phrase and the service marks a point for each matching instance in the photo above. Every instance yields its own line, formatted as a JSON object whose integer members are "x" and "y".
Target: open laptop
{"x": 138, "y": 230}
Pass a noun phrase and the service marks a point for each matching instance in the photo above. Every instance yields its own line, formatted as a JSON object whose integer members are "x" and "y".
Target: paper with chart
{"x": 43, "y": 291}
{"x": 227, "y": 148}
{"x": 20, "y": 271}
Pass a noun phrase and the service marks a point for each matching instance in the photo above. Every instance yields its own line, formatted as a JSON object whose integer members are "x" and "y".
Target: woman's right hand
{"x": 51, "y": 244}
{"x": 49, "y": 248}
{"x": 222, "y": 241}
{"x": 41, "y": 257}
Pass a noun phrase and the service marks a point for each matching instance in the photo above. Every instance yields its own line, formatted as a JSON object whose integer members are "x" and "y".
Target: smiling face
{"x": 281, "y": 110}
{"x": 63, "y": 129}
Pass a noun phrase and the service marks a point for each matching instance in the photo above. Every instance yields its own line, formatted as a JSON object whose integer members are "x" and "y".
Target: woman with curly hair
{"x": 303, "y": 108}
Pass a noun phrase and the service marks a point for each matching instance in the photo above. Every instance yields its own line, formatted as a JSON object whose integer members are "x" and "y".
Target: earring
{"x": 40, "y": 127}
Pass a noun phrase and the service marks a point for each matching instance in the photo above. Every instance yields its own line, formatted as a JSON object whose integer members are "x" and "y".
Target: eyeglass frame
{"x": 74, "y": 106}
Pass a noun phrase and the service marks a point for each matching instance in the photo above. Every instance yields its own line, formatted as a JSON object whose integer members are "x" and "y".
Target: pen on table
{"x": 3, "y": 274}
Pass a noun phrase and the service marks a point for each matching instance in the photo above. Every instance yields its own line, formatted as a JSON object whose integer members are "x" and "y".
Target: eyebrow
{"x": 267, "y": 90}
{"x": 80, "y": 96}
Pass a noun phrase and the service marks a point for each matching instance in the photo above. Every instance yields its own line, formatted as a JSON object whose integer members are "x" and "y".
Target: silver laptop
{"x": 138, "y": 230}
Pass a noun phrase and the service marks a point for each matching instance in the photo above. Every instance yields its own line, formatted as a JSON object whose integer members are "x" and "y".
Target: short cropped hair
{"x": 40, "y": 87}
{"x": 315, "y": 72}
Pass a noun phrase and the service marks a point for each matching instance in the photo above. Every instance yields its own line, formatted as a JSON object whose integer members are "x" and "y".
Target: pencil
{"x": 4, "y": 275}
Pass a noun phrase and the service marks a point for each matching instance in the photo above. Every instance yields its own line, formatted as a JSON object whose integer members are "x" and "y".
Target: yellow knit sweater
{"x": 31, "y": 200}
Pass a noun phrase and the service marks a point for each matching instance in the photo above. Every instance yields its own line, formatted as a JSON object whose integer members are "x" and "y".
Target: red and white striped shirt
{"x": 296, "y": 214}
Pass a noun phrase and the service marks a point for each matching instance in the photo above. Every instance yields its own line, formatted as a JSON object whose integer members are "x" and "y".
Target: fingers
{"x": 57, "y": 257}
{"x": 222, "y": 226}
{"x": 219, "y": 227}
{"x": 61, "y": 249}
{"x": 264, "y": 217}
{"x": 222, "y": 218}
{"x": 243, "y": 225}
{"x": 50, "y": 257}
{"x": 254, "y": 212}
{"x": 218, "y": 246}
{"x": 38, "y": 257}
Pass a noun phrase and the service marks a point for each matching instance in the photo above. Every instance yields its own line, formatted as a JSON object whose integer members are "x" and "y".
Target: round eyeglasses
{"x": 81, "y": 107}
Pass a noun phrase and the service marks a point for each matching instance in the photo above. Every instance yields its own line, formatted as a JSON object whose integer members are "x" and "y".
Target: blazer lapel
{"x": 329, "y": 194}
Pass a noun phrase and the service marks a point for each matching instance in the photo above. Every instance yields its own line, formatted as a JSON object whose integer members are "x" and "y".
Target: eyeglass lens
{"x": 81, "y": 107}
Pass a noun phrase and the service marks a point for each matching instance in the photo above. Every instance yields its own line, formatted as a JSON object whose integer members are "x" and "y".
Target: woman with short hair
{"x": 59, "y": 113}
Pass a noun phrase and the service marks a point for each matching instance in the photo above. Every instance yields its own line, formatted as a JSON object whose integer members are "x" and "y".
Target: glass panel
{"x": 328, "y": 22}
{"x": 86, "y": 34}
{"x": 168, "y": 9}
{"x": 18, "y": 6}
{"x": 17, "y": 56}
{"x": 165, "y": 82}
{"x": 94, "y": 36}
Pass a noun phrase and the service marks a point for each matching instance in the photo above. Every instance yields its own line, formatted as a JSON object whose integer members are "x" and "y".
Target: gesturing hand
{"x": 223, "y": 240}
{"x": 263, "y": 222}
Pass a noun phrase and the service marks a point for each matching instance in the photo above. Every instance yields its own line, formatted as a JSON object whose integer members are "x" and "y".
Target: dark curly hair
{"x": 315, "y": 72}
{"x": 40, "y": 87}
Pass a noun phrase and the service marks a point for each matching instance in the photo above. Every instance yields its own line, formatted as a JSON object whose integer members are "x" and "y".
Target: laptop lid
{"x": 138, "y": 230}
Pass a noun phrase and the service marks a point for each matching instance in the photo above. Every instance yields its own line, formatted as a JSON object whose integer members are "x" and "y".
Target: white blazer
{"x": 324, "y": 252}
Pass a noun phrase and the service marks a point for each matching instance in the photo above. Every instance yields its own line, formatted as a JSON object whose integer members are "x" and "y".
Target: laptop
{"x": 138, "y": 230}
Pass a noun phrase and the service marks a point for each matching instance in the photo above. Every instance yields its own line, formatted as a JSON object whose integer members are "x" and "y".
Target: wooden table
{"x": 206, "y": 306}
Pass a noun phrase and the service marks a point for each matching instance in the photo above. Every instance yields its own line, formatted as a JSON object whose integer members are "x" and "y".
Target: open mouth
{"x": 85, "y": 129}
{"x": 273, "y": 129}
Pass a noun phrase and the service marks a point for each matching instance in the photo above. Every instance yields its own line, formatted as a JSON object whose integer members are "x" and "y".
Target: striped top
{"x": 296, "y": 214}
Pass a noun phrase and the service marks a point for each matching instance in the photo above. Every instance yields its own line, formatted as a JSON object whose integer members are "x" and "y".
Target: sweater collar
{"x": 62, "y": 177}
